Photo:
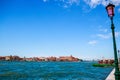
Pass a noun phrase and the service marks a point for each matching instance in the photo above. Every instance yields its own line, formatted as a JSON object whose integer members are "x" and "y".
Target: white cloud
{"x": 69, "y": 1}
{"x": 94, "y": 3}
{"x": 65, "y": 6}
{"x": 45, "y": 0}
{"x": 119, "y": 10}
{"x": 104, "y": 30}
{"x": 104, "y": 36}
{"x": 116, "y": 2}
{"x": 117, "y": 34}
{"x": 65, "y": 3}
{"x": 109, "y": 35}
{"x": 91, "y": 3}
{"x": 93, "y": 42}
{"x": 73, "y": 1}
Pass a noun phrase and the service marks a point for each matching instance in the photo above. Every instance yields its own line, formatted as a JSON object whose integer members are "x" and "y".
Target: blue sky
{"x": 57, "y": 28}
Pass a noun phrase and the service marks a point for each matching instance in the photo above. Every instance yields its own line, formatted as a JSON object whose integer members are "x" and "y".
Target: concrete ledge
{"x": 111, "y": 75}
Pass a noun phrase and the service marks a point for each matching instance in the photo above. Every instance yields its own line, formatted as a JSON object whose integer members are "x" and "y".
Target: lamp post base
{"x": 117, "y": 75}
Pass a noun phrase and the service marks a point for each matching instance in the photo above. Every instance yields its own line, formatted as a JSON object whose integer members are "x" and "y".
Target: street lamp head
{"x": 110, "y": 10}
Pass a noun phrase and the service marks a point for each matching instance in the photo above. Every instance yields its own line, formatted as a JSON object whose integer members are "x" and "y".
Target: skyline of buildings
{"x": 51, "y": 58}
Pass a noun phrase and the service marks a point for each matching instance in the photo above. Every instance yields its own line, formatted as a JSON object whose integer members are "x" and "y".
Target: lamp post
{"x": 119, "y": 58}
{"x": 110, "y": 11}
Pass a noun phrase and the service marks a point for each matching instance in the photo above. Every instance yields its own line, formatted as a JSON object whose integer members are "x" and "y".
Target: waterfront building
{"x": 68, "y": 58}
{"x": 8, "y": 58}
{"x": 36, "y": 59}
{"x": 106, "y": 61}
{"x": 15, "y": 58}
{"x": 2, "y": 58}
{"x": 43, "y": 59}
{"x": 29, "y": 59}
{"x": 52, "y": 58}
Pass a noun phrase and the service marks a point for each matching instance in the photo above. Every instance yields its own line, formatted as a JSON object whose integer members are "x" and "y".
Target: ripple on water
{"x": 52, "y": 71}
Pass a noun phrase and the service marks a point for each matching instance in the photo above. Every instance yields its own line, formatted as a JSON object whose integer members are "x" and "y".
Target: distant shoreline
{"x": 52, "y": 58}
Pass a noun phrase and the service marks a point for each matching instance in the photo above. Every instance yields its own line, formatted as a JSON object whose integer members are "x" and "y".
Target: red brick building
{"x": 68, "y": 58}
{"x": 2, "y": 58}
{"x": 106, "y": 61}
{"x": 52, "y": 58}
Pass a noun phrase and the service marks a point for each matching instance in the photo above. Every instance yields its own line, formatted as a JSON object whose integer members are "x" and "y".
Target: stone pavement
{"x": 111, "y": 75}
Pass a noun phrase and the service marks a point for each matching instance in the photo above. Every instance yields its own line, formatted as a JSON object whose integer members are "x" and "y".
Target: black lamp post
{"x": 119, "y": 58}
{"x": 110, "y": 11}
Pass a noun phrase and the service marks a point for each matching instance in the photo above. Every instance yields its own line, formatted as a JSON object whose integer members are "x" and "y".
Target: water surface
{"x": 52, "y": 71}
